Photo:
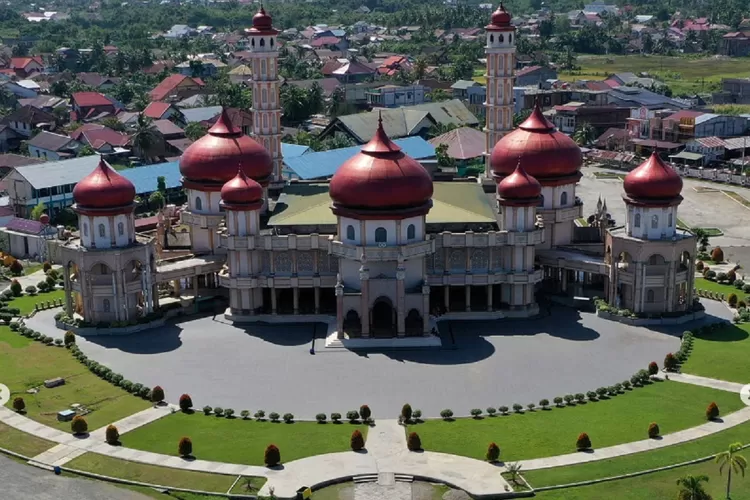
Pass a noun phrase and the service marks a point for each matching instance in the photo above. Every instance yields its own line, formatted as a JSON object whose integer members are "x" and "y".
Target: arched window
{"x": 564, "y": 198}
{"x": 650, "y": 296}
{"x": 669, "y": 220}
{"x": 411, "y": 232}
{"x": 381, "y": 235}
{"x": 252, "y": 42}
{"x": 264, "y": 96}
{"x": 541, "y": 200}
{"x": 120, "y": 228}
{"x": 654, "y": 222}
{"x": 102, "y": 231}
{"x": 85, "y": 229}
{"x": 105, "y": 305}
{"x": 198, "y": 203}
{"x": 500, "y": 38}
{"x": 637, "y": 220}
{"x": 350, "y": 233}
{"x": 510, "y": 38}
{"x": 271, "y": 42}
{"x": 492, "y": 38}
{"x": 262, "y": 65}
{"x": 262, "y": 42}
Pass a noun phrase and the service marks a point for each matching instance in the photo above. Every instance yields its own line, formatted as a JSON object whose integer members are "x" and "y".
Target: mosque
{"x": 381, "y": 250}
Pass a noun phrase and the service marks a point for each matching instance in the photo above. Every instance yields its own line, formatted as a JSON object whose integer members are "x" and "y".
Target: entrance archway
{"x": 414, "y": 323}
{"x": 383, "y": 317}
{"x": 352, "y": 324}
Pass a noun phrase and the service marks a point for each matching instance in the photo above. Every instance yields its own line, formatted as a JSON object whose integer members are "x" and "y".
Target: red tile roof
{"x": 613, "y": 84}
{"x": 325, "y": 40}
{"x": 156, "y": 110}
{"x": 22, "y": 62}
{"x": 88, "y": 99}
{"x": 168, "y": 85}
{"x": 93, "y": 132}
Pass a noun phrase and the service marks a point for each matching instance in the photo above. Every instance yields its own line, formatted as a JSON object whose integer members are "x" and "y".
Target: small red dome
{"x": 501, "y": 17}
{"x": 653, "y": 180}
{"x": 262, "y": 21}
{"x": 214, "y": 157}
{"x": 380, "y": 178}
{"x": 103, "y": 188}
{"x": 548, "y": 154}
{"x": 519, "y": 187}
{"x": 241, "y": 192}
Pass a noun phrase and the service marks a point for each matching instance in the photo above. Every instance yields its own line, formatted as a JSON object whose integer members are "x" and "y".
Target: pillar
{"x": 339, "y": 290}
{"x": 425, "y": 309}
{"x": 564, "y": 280}
{"x": 195, "y": 293}
{"x": 273, "y": 300}
{"x": 68, "y": 292}
{"x": 317, "y": 300}
{"x": 447, "y": 297}
{"x": 295, "y": 295}
{"x": 489, "y": 298}
{"x": 468, "y": 297}
{"x": 365, "y": 313}
{"x": 400, "y": 302}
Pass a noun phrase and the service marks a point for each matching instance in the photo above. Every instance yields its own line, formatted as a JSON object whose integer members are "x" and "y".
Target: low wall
{"x": 123, "y": 330}
{"x": 686, "y": 318}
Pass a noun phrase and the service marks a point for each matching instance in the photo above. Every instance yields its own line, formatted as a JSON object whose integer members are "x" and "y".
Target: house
{"x": 634, "y": 97}
{"x": 711, "y": 149}
{"x": 25, "y": 66}
{"x": 164, "y": 111}
{"x": 348, "y": 71}
{"x": 599, "y": 7}
{"x": 465, "y": 144}
{"x": 329, "y": 85}
{"x": 684, "y": 125}
{"x": 460, "y": 88}
{"x": 49, "y": 146}
{"x": 241, "y": 74}
{"x": 27, "y": 118}
{"x": 203, "y": 114}
{"x": 569, "y": 117}
{"x": 18, "y": 90}
{"x": 9, "y": 138}
{"x": 733, "y": 91}
{"x": 735, "y": 44}
{"x": 392, "y": 65}
{"x": 631, "y": 79}
{"x": 180, "y": 31}
{"x": 9, "y": 161}
{"x": 90, "y": 105}
{"x": 46, "y": 103}
{"x": 28, "y": 238}
{"x": 535, "y": 76}
{"x": 98, "y": 81}
{"x": 201, "y": 68}
{"x": 472, "y": 93}
{"x": 101, "y": 139}
{"x": 330, "y": 43}
{"x": 390, "y": 96}
{"x": 177, "y": 87}
{"x": 168, "y": 130}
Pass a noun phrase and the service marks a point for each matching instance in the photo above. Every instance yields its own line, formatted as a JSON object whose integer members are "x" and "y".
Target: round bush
{"x": 15, "y": 288}
{"x": 112, "y": 435}
{"x": 260, "y": 415}
{"x": 731, "y": 276}
{"x": 406, "y": 412}
{"x": 413, "y": 443}
{"x": 321, "y": 418}
{"x": 503, "y": 410}
{"x": 19, "y": 404}
{"x": 446, "y": 414}
{"x": 207, "y": 410}
{"x": 583, "y": 442}
{"x": 79, "y": 425}
{"x": 31, "y": 290}
{"x": 186, "y": 402}
{"x": 491, "y": 411}
{"x": 288, "y": 418}
{"x": 544, "y": 403}
{"x": 157, "y": 394}
{"x": 274, "y": 416}
{"x": 69, "y": 338}
{"x": 245, "y": 414}
{"x": 493, "y": 453}
{"x": 475, "y": 412}
{"x": 219, "y": 411}
{"x": 670, "y": 362}
{"x": 145, "y": 392}
{"x": 229, "y": 413}
{"x": 717, "y": 254}
{"x": 653, "y": 368}
{"x": 357, "y": 442}
{"x": 365, "y": 413}
{"x": 517, "y": 407}
{"x": 335, "y": 417}
{"x": 416, "y": 414}
{"x": 185, "y": 447}
{"x": 699, "y": 265}
{"x": 352, "y": 415}
{"x": 732, "y": 300}
{"x": 272, "y": 456}
{"x": 591, "y": 395}
{"x": 46, "y": 266}
{"x": 712, "y": 412}
{"x": 558, "y": 401}
{"x": 653, "y": 430}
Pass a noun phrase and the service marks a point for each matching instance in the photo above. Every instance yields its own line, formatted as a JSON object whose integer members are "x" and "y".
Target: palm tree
{"x": 514, "y": 471}
{"x": 691, "y": 487}
{"x": 145, "y": 138}
{"x": 732, "y": 461}
{"x": 584, "y": 134}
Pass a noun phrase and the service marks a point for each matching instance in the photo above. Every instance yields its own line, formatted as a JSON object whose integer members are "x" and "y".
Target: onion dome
{"x": 653, "y": 183}
{"x": 212, "y": 160}
{"x": 519, "y": 188}
{"x": 549, "y": 155}
{"x": 104, "y": 190}
{"x": 262, "y": 21}
{"x": 241, "y": 193}
{"x": 500, "y": 20}
{"x": 381, "y": 181}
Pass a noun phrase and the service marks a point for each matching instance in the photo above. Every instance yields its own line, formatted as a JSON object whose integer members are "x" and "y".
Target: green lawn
{"x": 32, "y": 268}
{"x": 14, "y": 440}
{"x": 162, "y": 476}
{"x": 712, "y": 286}
{"x": 692, "y": 450}
{"x": 26, "y": 302}
{"x": 722, "y": 354}
{"x": 622, "y": 419}
{"x": 254, "y": 483}
{"x": 25, "y": 364}
{"x": 659, "y": 485}
{"x": 240, "y": 441}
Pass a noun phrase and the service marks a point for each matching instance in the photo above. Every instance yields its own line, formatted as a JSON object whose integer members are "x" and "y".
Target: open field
{"x": 240, "y": 441}
{"x": 721, "y": 354}
{"x": 25, "y": 364}
{"x": 622, "y": 419}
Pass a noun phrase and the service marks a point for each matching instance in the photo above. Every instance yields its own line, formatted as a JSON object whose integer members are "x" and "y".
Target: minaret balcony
{"x": 204, "y": 221}
{"x": 381, "y": 254}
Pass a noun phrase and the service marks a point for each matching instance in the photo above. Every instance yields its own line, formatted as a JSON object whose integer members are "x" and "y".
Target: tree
{"x": 195, "y": 130}
{"x": 357, "y": 441}
{"x": 293, "y": 103}
{"x": 185, "y": 447}
{"x": 514, "y": 470}
{"x": 438, "y": 95}
{"x": 79, "y": 425}
{"x": 114, "y": 124}
{"x": 519, "y": 117}
{"x": 86, "y": 151}
{"x": 272, "y": 456}
{"x": 444, "y": 160}
{"x": 37, "y": 211}
{"x": 112, "y": 435}
{"x": 420, "y": 68}
{"x": 691, "y": 487}
{"x": 156, "y": 199}
{"x": 18, "y": 404}
{"x": 157, "y": 394}
{"x": 161, "y": 184}
{"x": 584, "y": 134}
{"x": 733, "y": 462}
{"x": 463, "y": 68}
{"x": 145, "y": 138}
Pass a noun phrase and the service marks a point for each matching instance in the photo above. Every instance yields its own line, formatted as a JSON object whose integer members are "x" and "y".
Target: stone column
{"x": 489, "y": 298}
{"x": 364, "y": 314}
{"x": 400, "y": 301}
{"x": 468, "y": 297}
{"x": 447, "y": 297}
{"x": 68, "y": 291}
{"x": 195, "y": 293}
{"x": 425, "y": 309}
{"x": 339, "y": 290}
{"x": 317, "y": 300}
{"x": 273, "y": 300}
{"x": 295, "y": 295}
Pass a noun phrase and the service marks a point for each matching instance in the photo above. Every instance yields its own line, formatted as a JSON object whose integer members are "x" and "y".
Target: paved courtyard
{"x": 270, "y": 366}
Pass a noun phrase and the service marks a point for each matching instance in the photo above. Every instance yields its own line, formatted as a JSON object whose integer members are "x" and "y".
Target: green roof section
{"x": 452, "y": 203}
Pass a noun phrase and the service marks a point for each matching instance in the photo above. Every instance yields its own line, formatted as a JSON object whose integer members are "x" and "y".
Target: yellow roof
{"x": 242, "y": 69}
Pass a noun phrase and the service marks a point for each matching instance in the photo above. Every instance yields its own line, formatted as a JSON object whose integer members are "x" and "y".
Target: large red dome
{"x": 653, "y": 182}
{"x": 242, "y": 193}
{"x": 548, "y": 154}
{"x": 104, "y": 189}
{"x": 215, "y": 157}
{"x": 519, "y": 188}
{"x": 381, "y": 180}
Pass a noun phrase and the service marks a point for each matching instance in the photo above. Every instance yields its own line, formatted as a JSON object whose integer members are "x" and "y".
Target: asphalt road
{"x": 23, "y": 482}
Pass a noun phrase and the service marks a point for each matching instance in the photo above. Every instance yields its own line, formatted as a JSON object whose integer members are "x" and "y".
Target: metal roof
{"x": 58, "y": 173}
{"x": 325, "y": 163}
{"x": 144, "y": 178}
{"x": 294, "y": 150}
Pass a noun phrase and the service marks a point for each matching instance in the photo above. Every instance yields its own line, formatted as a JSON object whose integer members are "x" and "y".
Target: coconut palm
{"x": 514, "y": 471}
{"x": 584, "y": 134}
{"x": 146, "y": 139}
{"x": 733, "y": 462}
{"x": 691, "y": 487}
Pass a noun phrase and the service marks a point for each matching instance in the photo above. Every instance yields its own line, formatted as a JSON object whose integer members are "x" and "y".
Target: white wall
{"x": 647, "y": 228}
{"x": 242, "y": 223}
{"x": 553, "y": 196}
{"x": 209, "y": 201}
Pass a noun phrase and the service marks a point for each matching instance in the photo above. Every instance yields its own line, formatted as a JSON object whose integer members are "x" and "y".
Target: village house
{"x": 177, "y": 87}
{"x": 49, "y": 146}
{"x": 26, "y": 119}
{"x": 91, "y": 106}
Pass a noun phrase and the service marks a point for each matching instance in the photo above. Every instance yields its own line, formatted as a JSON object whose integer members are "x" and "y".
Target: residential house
{"x": 390, "y": 96}
{"x": 102, "y": 139}
{"x": 634, "y": 97}
{"x": 90, "y": 106}
{"x": 98, "y": 81}
{"x": 180, "y": 31}
{"x": 330, "y": 43}
{"x": 535, "y": 76}
{"x": 569, "y": 117}
{"x": 168, "y": 129}
{"x": 27, "y": 238}
{"x": 599, "y": 7}
{"x": 19, "y": 90}
{"x": 392, "y": 65}
{"x": 9, "y": 161}
{"x": 204, "y": 114}
{"x": 733, "y": 91}
{"x": 329, "y": 85}
{"x": 465, "y": 144}
{"x": 49, "y": 146}
{"x": 473, "y": 94}
{"x": 684, "y": 125}
{"x": 165, "y": 111}
{"x": 241, "y": 74}
{"x": 25, "y": 66}
{"x": 10, "y": 140}
{"x": 348, "y": 71}
{"x": 711, "y": 149}
{"x": 201, "y": 68}
{"x": 46, "y": 103}
{"x": 735, "y": 44}
{"x": 177, "y": 87}
{"x": 26, "y": 119}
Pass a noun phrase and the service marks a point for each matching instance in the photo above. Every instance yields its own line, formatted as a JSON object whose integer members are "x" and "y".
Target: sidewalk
{"x": 713, "y": 383}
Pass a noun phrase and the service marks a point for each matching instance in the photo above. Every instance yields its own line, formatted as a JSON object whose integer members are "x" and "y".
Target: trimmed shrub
{"x": 406, "y": 412}
{"x": 653, "y": 430}
{"x": 413, "y": 442}
{"x": 260, "y": 415}
{"x": 670, "y": 362}
{"x": 712, "y": 412}
{"x": 591, "y": 395}
{"x": 558, "y": 401}
{"x": 721, "y": 277}
{"x": 517, "y": 407}
{"x": 335, "y": 417}
{"x": 112, "y": 435}
{"x": 544, "y": 403}
{"x": 732, "y": 300}
{"x": 58, "y": 342}
{"x": 416, "y": 414}
{"x": 583, "y": 442}
{"x": 531, "y": 406}
{"x": 493, "y": 453}
{"x": 321, "y": 418}
{"x": 79, "y": 425}
{"x": 16, "y": 268}
{"x": 245, "y": 414}
{"x": 219, "y": 411}
{"x": 69, "y": 338}
{"x": 157, "y": 394}
{"x": 31, "y": 290}
{"x": 352, "y": 416}
{"x": 580, "y": 397}
{"x": 46, "y": 266}
{"x": 272, "y": 456}
{"x": 653, "y": 368}
{"x": 717, "y": 254}
{"x": 740, "y": 305}
{"x": 446, "y": 414}
{"x": 145, "y": 392}
{"x": 746, "y": 288}
{"x": 229, "y": 413}
{"x": 475, "y": 412}
{"x": 15, "y": 288}
{"x": 366, "y": 413}
{"x": 699, "y": 265}
{"x": 186, "y": 402}
{"x": 612, "y": 390}
{"x": 568, "y": 399}
{"x": 731, "y": 276}
{"x": 491, "y": 411}
{"x": 185, "y": 447}
{"x": 503, "y": 410}
{"x": 274, "y": 417}
{"x": 19, "y": 404}
{"x": 626, "y": 384}
{"x": 288, "y": 418}
{"x": 601, "y": 392}
{"x": 357, "y": 442}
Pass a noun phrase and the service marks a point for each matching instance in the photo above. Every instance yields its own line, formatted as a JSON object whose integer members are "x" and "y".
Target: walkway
{"x": 713, "y": 383}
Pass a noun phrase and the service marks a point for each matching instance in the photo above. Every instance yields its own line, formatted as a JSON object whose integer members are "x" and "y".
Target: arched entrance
{"x": 352, "y": 324}
{"x": 414, "y": 323}
{"x": 383, "y": 318}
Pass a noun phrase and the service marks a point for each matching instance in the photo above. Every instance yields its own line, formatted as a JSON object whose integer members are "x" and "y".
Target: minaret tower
{"x": 266, "y": 108}
{"x": 501, "y": 62}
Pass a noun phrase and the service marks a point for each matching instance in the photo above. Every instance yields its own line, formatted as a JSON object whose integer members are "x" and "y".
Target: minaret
{"x": 266, "y": 108}
{"x": 501, "y": 62}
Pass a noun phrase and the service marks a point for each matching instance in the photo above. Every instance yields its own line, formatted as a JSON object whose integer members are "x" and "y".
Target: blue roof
{"x": 325, "y": 163}
{"x": 294, "y": 150}
{"x": 144, "y": 178}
